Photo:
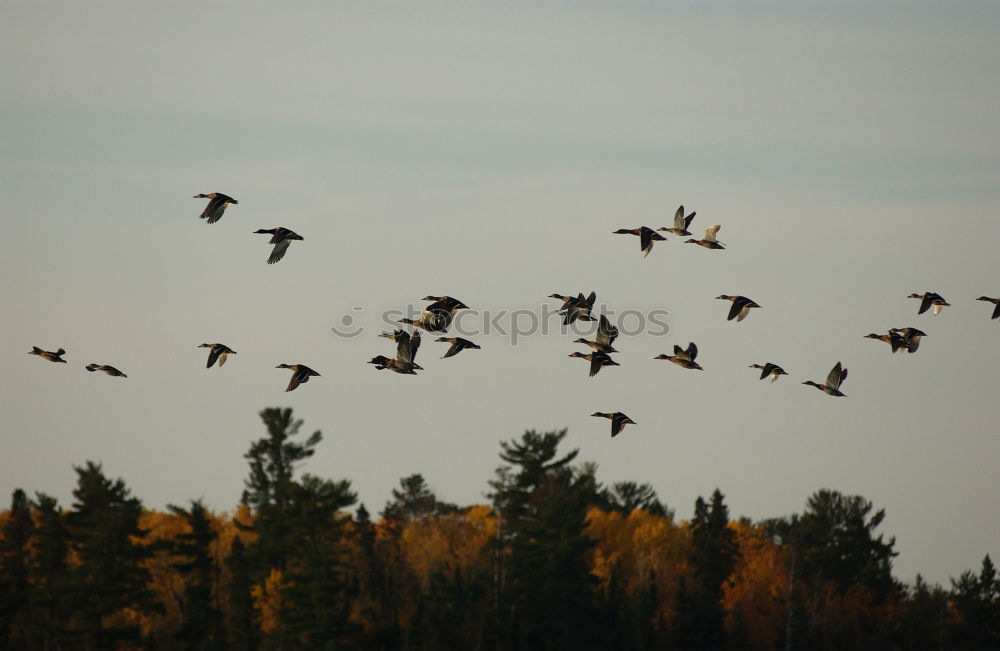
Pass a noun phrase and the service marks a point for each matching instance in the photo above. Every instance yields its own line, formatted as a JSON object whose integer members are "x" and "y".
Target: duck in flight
{"x": 709, "y": 241}
{"x": 681, "y": 223}
{"x": 740, "y": 307}
{"x": 406, "y": 352}
{"x": 930, "y": 299}
{"x": 769, "y": 369}
{"x": 216, "y": 205}
{"x": 893, "y": 338}
{"x": 910, "y": 336}
{"x": 218, "y": 352}
{"x": 458, "y": 344}
{"x": 576, "y": 308}
{"x": 281, "y": 237}
{"x": 996, "y": 302}
{"x": 606, "y": 335}
{"x": 45, "y": 354}
{"x": 106, "y": 369}
{"x": 618, "y": 421}
{"x": 833, "y": 381}
{"x": 300, "y": 374}
{"x": 683, "y": 357}
{"x": 646, "y": 237}
{"x": 597, "y": 360}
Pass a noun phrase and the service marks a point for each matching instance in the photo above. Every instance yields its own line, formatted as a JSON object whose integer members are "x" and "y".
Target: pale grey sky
{"x": 487, "y": 151}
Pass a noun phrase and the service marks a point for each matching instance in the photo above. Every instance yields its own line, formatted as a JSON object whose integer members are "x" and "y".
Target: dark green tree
{"x": 50, "y": 595}
{"x": 201, "y": 621}
{"x": 241, "y": 617}
{"x": 104, "y": 534}
{"x": 413, "y": 500}
{"x": 924, "y": 617}
{"x": 270, "y": 488}
{"x": 15, "y": 564}
{"x": 316, "y": 593}
{"x": 546, "y": 593}
{"x": 976, "y": 600}
{"x": 714, "y": 551}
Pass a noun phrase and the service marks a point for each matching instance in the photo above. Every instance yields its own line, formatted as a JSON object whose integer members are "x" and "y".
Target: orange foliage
{"x": 637, "y": 545}
{"x": 758, "y": 587}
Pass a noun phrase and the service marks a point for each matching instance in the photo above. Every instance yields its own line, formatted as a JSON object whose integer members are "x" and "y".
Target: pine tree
{"x": 15, "y": 562}
{"x": 241, "y": 620}
{"x": 201, "y": 626}
{"x": 546, "y": 589}
{"x": 50, "y": 594}
{"x": 713, "y": 555}
{"x": 104, "y": 533}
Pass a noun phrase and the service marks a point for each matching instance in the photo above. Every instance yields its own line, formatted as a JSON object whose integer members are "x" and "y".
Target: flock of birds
{"x": 438, "y": 316}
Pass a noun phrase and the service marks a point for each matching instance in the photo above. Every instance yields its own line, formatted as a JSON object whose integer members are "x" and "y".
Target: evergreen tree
{"x": 241, "y": 620}
{"x": 201, "y": 621}
{"x": 923, "y": 626}
{"x": 413, "y": 500}
{"x": 713, "y": 555}
{"x": 104, "y": 533}
{"x": 270, "y": 487}
{"x": 50, "y": 594}
{"x": 977, "y": 605}
{"x": 15, "y": 561}
{"x": 546, "y": 588}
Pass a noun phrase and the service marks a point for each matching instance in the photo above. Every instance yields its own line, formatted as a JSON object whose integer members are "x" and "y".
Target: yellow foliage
{"x": 758, "y": 587}
{"x": 268, "y": 601}
{"x": 637, "y": 548}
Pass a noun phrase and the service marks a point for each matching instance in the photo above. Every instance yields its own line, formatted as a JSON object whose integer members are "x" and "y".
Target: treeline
{"x": 556, "y": 561}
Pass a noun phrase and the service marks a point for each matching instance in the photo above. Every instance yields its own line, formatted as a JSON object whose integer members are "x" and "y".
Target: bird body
{"x": 606, "y": 335}
{"x": 106, "y": 369}
{"x": 618, "y": 421}
{"x": 281, "y": 237}
{"x": 458, "y": 344}
{"x": 996, "y": 302}
{"x": 683, "y": 357}
{"x": 218, "y": 352}
{"x": 709, "y": 241}
{"x": 833, "y": 381}
{"x": 597, "y": 361}
{"x": 681, "y": 223}
{"x": 300, "y": 374}
{"x": 929, "y": 300}
{"x": 216, "y": 206}
{"x": 406, "y": 352}
{"x": 769, "y": 369}
{"x": 910, "y": 337}
{"x": 740, "y": 307}
{"x": 894, "y": 339}
{"x": 646, "y": 237}
{"x": 45, "y": 354}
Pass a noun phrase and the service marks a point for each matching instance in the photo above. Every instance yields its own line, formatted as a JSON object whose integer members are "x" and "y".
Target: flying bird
{"x": 930, "y": 299}
{"x": 597, "y": 361}
{"x": 646, "y": 237}
{"x": 107, "y": 370}
{"x": 683, "y": 357}
{"x": 911, "y": 337}
{"x": 300, "y": 374}
{"x": 996, "y": 302}
{"x": 458, "y": 344}
{"x": 218, "y": 352}
{"x": 833, "y": 381}
{"x": 45, "y": 354}
{"x": 893, "y": 338}
{"x": 618, "y": 421}
{"x": 740, "y": 307}
{"x": 681, "y": 223}
{"x": 769, "y": 369}
{"x": 406, "y": 352}
{"x": 606, "y": 335}
{"x": 709, "y": 241}
{"x": 281, "y": 237}
{"x": 216, "y": 205}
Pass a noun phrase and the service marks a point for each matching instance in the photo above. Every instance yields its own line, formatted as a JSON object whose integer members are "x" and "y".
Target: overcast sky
{"x": 487, "y": 151}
